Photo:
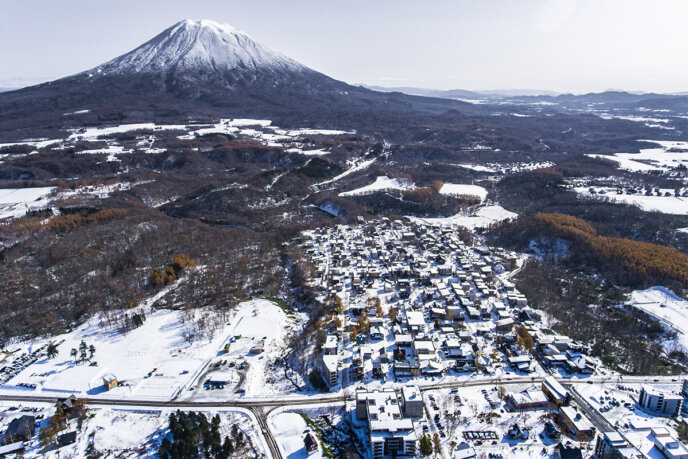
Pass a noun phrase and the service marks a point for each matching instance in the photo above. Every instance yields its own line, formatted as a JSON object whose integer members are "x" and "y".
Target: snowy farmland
{"x": 456, "y": 189}
{"x": 669, "y": 155}
{"x": 676, "y": 205}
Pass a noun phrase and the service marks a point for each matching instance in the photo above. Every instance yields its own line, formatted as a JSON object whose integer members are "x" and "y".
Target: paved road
{"x": 261, "y": 417}
{"x": 261, "y": 406}
{"x": 599, "y": 421}
{"x": 286, "y": 401}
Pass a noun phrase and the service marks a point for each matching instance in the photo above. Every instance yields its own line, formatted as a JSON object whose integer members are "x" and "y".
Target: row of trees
{"x": 62, "y": 223}
{"x": 428, "y": 445}
{"x": 192, "y": 436}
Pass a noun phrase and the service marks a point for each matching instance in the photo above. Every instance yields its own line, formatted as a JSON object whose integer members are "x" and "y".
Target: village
{"x": 417, "y": 302}
{"x": 418, "y": 305}
{"x": 432, "y": 351}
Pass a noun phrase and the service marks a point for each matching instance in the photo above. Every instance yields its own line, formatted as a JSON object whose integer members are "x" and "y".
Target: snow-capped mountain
{"x": 199, "y": 46}
{"x": 198, "y": 69}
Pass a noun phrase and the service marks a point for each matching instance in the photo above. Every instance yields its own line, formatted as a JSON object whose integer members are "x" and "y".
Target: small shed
{"x": 310, "y": 443}
{"x": 109, "y": 381}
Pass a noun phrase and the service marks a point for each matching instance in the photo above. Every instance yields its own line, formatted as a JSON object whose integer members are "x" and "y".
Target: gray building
{"x": 411, "y": 402}
{"x": 659, "y": 402}
{"x": 611, "y": 445}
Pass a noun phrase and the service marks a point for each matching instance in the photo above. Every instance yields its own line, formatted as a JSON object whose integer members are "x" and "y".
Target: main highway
{"x": 261, "y": 407}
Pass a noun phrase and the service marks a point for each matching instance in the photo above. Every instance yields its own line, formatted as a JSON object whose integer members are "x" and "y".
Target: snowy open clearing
{"x": 154, "y": 361}
{"x": 676, "y": 205}
{"x": 289, "y": 429}
{"x": 15, "y": 202}
{"x": 481, "y": 218}
{"x": 381, "y": 183}
{"x": 253, "y": 322}
{"x": 666, "y": 306}
{"x": 264, "y": 131}
{"x": 95, "y": 132}
{"x": 651, "y": 159}
{"x": 477, "y": 167}
{"x": 151, "y": 361}
{"x": 464, "y": 189}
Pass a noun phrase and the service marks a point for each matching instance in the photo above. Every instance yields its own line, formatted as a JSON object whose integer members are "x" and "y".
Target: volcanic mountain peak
{"x": 199, "y": 45}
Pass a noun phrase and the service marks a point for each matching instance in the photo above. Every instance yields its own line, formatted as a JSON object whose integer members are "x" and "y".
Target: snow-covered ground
{"x": 381, "y": 183}
{"x": 289, "y": 429}
{"x": 156, "y": 360}
{"x": 253, "y": 321}
{"x": 125, "y": 431}
{"x": 151, "y": 361}
{"x": 651, "y": 159}
{"x": 355, "y": 165}
{"x": 665, "y": 305}
{"x": 633, "y": 423}
{"x": 676, "y": 205}
{"x": 477, "y": 167}
{"x": 506, "y": 168}
{"x": 481, "y": 218}
{"x": 15, "y": 202}
{"x": 314, "y": 152}
{"x": 93, "y": 133}
{"x": 264, "y": 131}
{"x": 475, "y": 404}
{"x": 464, "y": 189}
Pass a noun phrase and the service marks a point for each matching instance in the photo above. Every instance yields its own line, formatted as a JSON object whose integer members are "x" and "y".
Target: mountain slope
{"x": 198, "y": 69}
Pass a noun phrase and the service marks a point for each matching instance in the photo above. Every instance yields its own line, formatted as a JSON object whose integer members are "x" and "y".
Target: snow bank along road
{"x": 286, "y": 401}
{"x": 261, "y": 407}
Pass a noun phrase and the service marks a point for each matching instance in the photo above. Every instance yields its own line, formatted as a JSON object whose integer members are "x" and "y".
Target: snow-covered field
{"x": 381, "y": 183}
{"x": 264, "y": 131}
{"x": 151, "y": 361}
{"x": 126, "y": 431}
{"x": 464, "y": 189}
{"x": 665, "y": 305}
{"x": 289, "y": 429}
{"x": 506, "y": 168}
{"x": 93, "y": 133}
{"x": 15, "y": 202}
{"x": 253, "y": 321}
{"x": 154, "y": 361}
{"x": 481, "y": 218}
{"x": 651, "y": 159}
{"x": 676, "y": 205}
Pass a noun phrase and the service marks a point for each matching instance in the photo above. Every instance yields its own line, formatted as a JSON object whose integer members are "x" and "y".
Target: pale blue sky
{"x": 561, "y": 45}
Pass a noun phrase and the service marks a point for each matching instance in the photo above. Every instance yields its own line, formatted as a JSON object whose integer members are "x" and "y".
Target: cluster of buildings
{"x": 444, "y": 306}
{"x": 389, "y": 417}
{"x": 416, "y": 301}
